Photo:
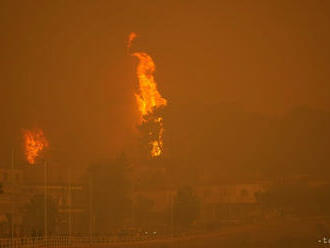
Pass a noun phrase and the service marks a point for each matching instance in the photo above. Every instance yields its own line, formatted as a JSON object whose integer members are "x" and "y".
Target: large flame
{"x": 148, "y": 97}
{"x": 34, "y": 142}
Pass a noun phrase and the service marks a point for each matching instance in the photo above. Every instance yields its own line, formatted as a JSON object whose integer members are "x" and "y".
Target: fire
{"x": 148, "y": 97}
{"x": 34, "y": 142}
{"x": 157, "y": 146}
{"x": 131, "y": 37}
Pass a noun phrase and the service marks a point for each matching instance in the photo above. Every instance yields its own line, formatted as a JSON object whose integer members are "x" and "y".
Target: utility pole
{"x": 90, "y": 209}
{"x": 45, "y": 203}
{"x": 70, "y": 206}
{"x": 133, "y": 204}
{"x": 12, "y": 200}
{"x": 171, "y": 213}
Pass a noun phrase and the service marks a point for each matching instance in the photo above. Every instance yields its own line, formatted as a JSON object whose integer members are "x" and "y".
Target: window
{"x": 244, "y": 193}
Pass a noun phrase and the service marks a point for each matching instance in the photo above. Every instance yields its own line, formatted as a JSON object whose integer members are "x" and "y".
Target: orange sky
{"x": 66, "y": 63}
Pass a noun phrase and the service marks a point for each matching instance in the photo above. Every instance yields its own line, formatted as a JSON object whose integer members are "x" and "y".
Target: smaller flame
{"x": 156, "y": 149}
{"x": 131, "y": 38}
{"x": 157, "y": 145}
{"x": 34, "y": 142}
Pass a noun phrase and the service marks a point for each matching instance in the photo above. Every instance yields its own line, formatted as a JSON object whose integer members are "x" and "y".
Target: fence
{"x": 74, "y": 241}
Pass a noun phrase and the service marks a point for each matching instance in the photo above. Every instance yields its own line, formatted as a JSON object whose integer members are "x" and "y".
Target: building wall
{"x": 20, "y": 185}
{"x": 232, "y": 193}
{"x": 217, "y": 202}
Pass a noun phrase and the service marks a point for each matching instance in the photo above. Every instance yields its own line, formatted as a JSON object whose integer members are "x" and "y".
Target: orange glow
{"x": 34, "y": 142}
{"x": 148, "y": 97}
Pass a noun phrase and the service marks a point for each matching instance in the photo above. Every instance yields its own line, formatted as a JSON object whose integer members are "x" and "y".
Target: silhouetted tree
{"x": 34, "y": 215}
{"x": 149, "y": 129}
{"x": 109, "y": 187}
{"x": 143, "y": 207}
{"x": 186, "y": 207}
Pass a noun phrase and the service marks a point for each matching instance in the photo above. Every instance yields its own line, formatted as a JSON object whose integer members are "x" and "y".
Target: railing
{"x": 76, "y": 241}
